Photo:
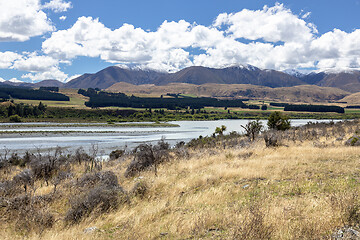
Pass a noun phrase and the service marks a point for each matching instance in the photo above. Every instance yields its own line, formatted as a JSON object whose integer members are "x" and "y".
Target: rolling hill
{"x": 302, "y": 93}
{"x": 353, "y": 99}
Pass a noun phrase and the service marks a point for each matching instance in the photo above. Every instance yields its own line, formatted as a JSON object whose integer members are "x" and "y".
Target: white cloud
{"x": 7, "y": 59}
{"x": 272, "y": 37}
{"x": 39, "y": 67}
{"x": 272, "y": 24}
{"x": 34, "y": 63}
{"x": 22, "y": 19}
{"x": 57, "y": 5}
{"x": 52, "y": 73}
{"x": 306, "y": 15}
{"x": 62, "y": 18}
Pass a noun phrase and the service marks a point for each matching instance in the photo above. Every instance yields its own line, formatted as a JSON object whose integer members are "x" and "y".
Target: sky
{"x": 62, "y": 39}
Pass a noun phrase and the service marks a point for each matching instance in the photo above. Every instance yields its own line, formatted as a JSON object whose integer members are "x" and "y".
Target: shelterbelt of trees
{"x": 8, "y": 109}
{"x": 32, "y": 94}
{"x": 106, "y": 99}
{"x": 308, "y": 108}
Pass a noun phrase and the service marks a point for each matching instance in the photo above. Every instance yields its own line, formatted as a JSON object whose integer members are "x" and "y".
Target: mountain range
{"x": 197, "y": 75}
{"x": 44, "y": 83}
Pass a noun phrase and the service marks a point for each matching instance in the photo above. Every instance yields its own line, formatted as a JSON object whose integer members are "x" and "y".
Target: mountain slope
{"x": 303, "y": 93}
{"x": 231, "y": 75}
{"x": 353, "y": 99}
{"x": 111, "y": 75}
{"x": 194, "y": 75}
{"x": 239, "y": 74}
{"x": 49, "y": 83}
{"x": 348, "y": 81}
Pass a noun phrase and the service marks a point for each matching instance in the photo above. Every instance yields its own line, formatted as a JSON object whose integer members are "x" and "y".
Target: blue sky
{"x": 60, "y": 39}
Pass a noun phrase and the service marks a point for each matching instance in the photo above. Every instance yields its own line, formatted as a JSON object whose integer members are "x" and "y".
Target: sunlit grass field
{"x": 76, "y": 100}
{"x": 306, "y": 189}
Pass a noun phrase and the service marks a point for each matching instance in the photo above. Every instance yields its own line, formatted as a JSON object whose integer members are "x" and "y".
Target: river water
{"x": 28, "y": 136}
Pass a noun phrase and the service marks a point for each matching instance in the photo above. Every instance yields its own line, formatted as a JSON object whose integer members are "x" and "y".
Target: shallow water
{"x": 108, "y": 138}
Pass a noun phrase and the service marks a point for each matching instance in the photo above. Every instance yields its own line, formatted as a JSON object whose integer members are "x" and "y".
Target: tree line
{"x": 22, "y": 110}
{"x": 31, "y": 94}
{"x": 313, "y": 108}
{"x": 106, "y": 99}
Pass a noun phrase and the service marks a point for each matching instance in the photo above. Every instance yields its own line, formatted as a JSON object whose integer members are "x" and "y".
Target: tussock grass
{"x": 295, "y": 191}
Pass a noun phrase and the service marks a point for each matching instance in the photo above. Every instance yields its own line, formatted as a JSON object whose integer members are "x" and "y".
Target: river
{"x": 47, "y": 136}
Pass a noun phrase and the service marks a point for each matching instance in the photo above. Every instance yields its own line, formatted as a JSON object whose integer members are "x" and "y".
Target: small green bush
{"x": 277, "y": 121}
{"x": 15, "y": 118}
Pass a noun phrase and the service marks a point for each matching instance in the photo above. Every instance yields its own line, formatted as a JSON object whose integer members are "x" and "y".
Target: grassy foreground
{"x": 307, "y": 188}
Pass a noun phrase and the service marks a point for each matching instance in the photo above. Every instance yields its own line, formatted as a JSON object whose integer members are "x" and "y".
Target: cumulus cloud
{"x": 39, "y": 67}
{"x": 22, "y": 19}
{"x": 34, "y": 63}
{"x": 274, "y": 24}
{"x": 272, "y": 37}
{"x": 52, "y": 73}
{"x": 57, "y": 5}
{"x": 7, "y": 59}
{"x": 62, "y": 18}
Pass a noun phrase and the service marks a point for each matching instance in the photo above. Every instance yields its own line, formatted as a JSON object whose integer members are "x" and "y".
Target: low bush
{"x": 116, "y": 154}
{"x": 278, "y": 121}
{"x": 272, "y": 139}
{"x": 104, "y": 195}
{"x": 15, "y": 118}
{"x": 252, "y": 129}
{"x": 353, "y": 141}
{"x": 28, "y": 215}
{"x": 146, "y": 156}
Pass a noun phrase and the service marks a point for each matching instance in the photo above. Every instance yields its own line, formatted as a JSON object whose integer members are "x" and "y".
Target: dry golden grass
{"x": 76, "y": 100}
{"x": 300, "y": 94}
{"x": 297, "y": 191}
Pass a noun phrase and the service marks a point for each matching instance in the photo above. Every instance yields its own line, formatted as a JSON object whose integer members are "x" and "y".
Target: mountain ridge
{"x": 193, "y": 75}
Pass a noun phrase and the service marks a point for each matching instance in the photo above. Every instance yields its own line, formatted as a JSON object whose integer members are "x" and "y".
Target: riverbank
{"x": 33, "y": 136}
{"x": 116, "y": 115}
{"x": 83, "y": 125}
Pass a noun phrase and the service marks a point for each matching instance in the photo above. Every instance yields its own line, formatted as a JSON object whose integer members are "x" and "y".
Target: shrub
{"x": 28, "y": 214}
{"x": 116, "y": 154}
{"x": 81, "y": 156}
{"x": 24, "y": 178}
{"x": 107, "y": 178}
{"x": 252, "y": 129}
{"x": 353, "y": 141}
{"x": 278, "y": 121}
{"x": 271, "y": 139}
{"x": 106, "y": 194}
{"x": 220, "y": 130}
{"x": 101, "y": 198}
{"x": 15, "y": 118}
{"x": 146, "y": 156}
